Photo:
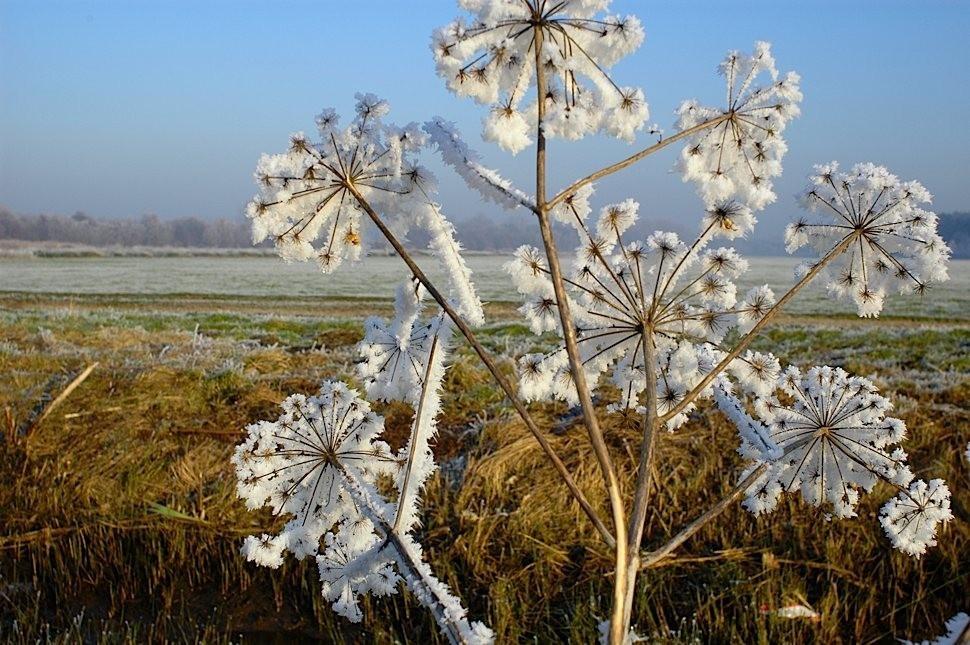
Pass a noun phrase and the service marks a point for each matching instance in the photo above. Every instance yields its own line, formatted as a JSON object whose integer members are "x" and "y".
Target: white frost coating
{"x": 739, "y": 158}
{"x": 393, "y": 354}
{"x": 416, "y": 457}
{"x": 631, "y": 637}
{"x": 615, "y": 285}
{"x": 467, "y": 163}
{"x": 956, "y": 627}
{"x": 756, "y": 372}
{"x": 910, "y": 519}
{"x": 830, "y": 438}
{"x": 432, "y": 592}
{"x": 320, "y": 462}
{"x": 894, "y": 243}
{"x": 293, "y": 466}
{"x": 444, "y": 246}
{"x": 574, "y": 207}
{"x": 305, "y": 204}
{"x": 447, "y": 610}
{"x": 508, "y": 128}
{"x": 756, "y": 442}
{"x": 492, "y": 59}
{"x": 352, "y": 565}
{"x": 405, "y": 360}
{"x": 836, "y": 438}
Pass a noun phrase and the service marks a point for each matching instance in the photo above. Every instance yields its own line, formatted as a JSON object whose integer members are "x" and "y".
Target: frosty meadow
{"x": 660, "y": 320}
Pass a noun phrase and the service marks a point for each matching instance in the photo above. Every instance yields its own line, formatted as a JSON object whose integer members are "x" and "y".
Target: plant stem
{"x": 618, "y": 629}
{"x": 650, "y": 559}
{"x": 489, "y": 365}
{"x": 413, "y": 444}
{"x": 761, "y": 324}
{"x": 644, "y": 470}
{"x": 406, "y": 561}
{"x": 632, "y": 159}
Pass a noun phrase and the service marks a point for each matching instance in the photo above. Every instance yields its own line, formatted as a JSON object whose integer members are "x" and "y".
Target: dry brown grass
{"x": 121, "y": 505}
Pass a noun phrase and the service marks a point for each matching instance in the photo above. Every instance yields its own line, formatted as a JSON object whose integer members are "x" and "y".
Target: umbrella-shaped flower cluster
{"x": 683, "y": 298}
{"x": 493, "y": 57}
{"x": 831, "y": 439}
{"x": 741, "y": 155}
{"x": 890, "y": 240}
{"x": 299, "y": 464}
{"x": 313, "y": 199}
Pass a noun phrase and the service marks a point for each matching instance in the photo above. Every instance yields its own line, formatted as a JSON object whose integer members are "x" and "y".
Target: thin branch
{"x": 753, "y": 333}
{"x": 632, "y": 159}
{"x": 60, "y": 398}
{"x": 600, "y": 449}
{"x": 653, "y": 557}
{"x": 642, "y": 495}
{"x": 426, "y": 383}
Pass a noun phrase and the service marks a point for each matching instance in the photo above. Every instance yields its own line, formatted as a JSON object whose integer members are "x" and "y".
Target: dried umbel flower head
{"x": 827, "y": 436}
{"x": 395, "y": 354}
{"x": 683, "y": 298}
{"x": 835, "y": 435}
{"x": 298, "y": 465}
{"x": 304, "y": 193}
{"x": 911, "y": 518}
{"x": 310, "y": 205}
{"x": 892, "y": 240}
{"x": 740, "y": 156}
{"x": 493, "y": 59}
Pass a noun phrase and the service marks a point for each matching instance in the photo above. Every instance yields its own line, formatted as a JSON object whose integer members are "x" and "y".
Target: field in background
{"x": 119, "y": 518}
{"x": 378, "y": 276}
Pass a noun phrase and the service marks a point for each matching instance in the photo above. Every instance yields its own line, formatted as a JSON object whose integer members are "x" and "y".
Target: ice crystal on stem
{"x": 893, "y": 243}
{"x": 740, "y": 156}
{"x": 492, "y": 59}
{"x": 467, "y": 163}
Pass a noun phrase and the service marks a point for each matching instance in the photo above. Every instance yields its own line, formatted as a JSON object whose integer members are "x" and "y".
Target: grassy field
{"x": 119, "y": 520}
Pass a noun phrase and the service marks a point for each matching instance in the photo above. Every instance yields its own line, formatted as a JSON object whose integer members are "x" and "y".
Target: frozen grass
{"x": 120, "y": 523}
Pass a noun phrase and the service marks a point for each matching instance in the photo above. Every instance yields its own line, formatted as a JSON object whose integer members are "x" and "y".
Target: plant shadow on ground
{"x": 120, "y": 521}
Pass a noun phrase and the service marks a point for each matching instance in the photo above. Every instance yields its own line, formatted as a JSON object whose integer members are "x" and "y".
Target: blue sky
{"x": 125, "y": 107}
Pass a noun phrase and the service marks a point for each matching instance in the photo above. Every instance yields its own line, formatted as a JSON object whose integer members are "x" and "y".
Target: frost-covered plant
{"x": 894, "y": 242}
{"x": 660, "y": 318}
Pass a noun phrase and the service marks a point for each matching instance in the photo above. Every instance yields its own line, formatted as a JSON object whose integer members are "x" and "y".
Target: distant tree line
{"x": 478, "y": 233}
{"x": 955, "y": 229}
{"x": 147, "y": 230}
